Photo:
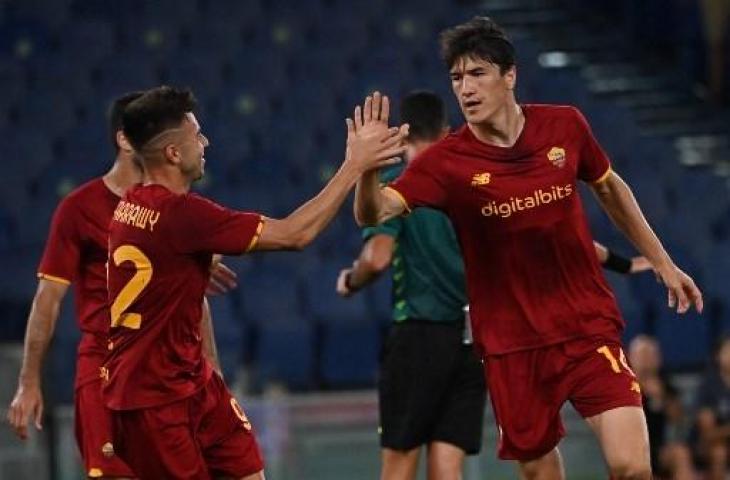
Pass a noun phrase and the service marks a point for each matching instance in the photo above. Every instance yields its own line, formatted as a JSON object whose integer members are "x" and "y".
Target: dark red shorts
{"x": 528, "y": 389}
{"x": 201, "y": 437}
{"x": 93, "y": 427}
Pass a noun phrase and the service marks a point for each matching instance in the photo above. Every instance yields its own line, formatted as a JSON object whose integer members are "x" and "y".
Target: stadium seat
{"x": 349, "y": 353}
{"x": 684, "y": 339}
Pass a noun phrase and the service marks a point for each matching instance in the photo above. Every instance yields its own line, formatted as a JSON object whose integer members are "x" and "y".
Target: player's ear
{"x": 172, "y": 153}
{"x": 123, "y": 143}
{"x": 510, "y": 76}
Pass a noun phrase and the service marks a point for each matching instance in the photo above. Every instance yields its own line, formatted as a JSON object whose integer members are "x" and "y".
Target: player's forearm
{"x": 619, "y": 203}
{"x": 309, "y": 220}
{"x": 209, "y": 347}
{"x": 38, "y": 334}
{"x": 367, "y": 199}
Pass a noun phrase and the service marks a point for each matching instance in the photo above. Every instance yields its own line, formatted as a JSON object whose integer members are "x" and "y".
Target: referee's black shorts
{"x": 431, "y": 388}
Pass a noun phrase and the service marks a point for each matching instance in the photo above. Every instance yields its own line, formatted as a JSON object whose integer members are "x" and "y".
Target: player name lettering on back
{"x": 132, "y": 214}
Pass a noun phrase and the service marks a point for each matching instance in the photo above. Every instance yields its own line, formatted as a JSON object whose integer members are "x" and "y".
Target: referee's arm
{"x": 374, "y": 259}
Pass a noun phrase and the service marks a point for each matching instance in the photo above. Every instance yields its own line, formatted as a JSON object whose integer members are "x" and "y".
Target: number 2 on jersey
{"x": 130, "y": 291}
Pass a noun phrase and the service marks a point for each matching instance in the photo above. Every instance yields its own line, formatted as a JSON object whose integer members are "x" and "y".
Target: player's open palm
{"x": 26, "y": 405}
{"x": 370, "y": 143}
{"x": 682, "y": 292}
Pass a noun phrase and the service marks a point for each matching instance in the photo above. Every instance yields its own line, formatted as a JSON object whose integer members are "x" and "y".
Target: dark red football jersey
{"x": 533, "y": 277}
{"x": 160, "y": 249}
{"x": 76, "y": 252}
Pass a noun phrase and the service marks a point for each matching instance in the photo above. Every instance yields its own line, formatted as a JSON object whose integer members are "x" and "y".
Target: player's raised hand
{"x": 682, "y": 292}
{"x": 373, "y": 115}
{"x": 222, "y": 279}
{"x": 374, "y": 148}
{"x": 27, "y": 405}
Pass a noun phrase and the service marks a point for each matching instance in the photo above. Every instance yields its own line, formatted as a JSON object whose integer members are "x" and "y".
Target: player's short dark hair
{"x": 115, "y": 112}
{"x": 157, "y": 110}
{"x": 481, "y": 38}
{"x": 425, "y": 113}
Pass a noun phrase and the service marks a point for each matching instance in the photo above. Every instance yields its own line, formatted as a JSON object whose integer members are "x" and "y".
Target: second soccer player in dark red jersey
{"x": 174, "y": 417}
{"x": 542, "y": 312}
{"x": 76, "y": 252}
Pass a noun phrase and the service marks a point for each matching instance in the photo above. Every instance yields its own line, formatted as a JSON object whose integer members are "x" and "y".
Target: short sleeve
{"x": 202, "y": 226}
{"x": 421, "y": 184}
{"x": 391, "y": 228}
{"x": 593, "y": 163}
{"x": 61, "y": 256}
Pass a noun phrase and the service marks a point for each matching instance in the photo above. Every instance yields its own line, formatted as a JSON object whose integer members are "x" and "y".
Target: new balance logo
{"x": 481, "y": 179}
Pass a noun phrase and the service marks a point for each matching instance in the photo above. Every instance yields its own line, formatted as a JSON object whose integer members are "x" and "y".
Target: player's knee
{"x": 631, "y": 469}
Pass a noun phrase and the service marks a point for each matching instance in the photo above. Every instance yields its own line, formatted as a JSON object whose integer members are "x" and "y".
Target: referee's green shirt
{"x": 427, "y": 268}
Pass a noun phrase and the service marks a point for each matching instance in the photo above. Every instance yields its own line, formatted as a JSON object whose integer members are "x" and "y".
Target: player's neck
{"x": 170, "y": 178}
{"x": 123, "y": 174}
{"x": 503, "y": 128}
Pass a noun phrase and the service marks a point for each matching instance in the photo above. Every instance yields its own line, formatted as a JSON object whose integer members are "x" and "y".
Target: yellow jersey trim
{"x": 256, "y": 236}
{"x": 399, "y": 196}
{"x": 45, "y": 276}
{"x": 603, "y": 177}
{"x": 96, "y": 473}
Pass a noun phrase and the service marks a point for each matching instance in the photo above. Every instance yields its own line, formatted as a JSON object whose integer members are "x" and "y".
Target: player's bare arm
{"x": 206, "y": 329}
{"x": 373, "y": 205}
{"x": 369, "y": 150}
{"x": 374, "y": 259}
{"x": 619, "y": 203}
{"x": 28, "y": 401}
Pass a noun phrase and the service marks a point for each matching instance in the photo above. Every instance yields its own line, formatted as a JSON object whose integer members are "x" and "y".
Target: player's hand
{"x": 222, "y": 279}
{"x": 342, "y": 289}
{"x": 682, "y": 292}
{"x": 640, "y": 264}
{"x": 27, "y": 405}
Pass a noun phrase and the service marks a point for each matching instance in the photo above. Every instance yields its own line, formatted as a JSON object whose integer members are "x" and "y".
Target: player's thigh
{"x": 547, "y": 467}
{"x": 460, "y": 418}
{"x": 526, "y": 402}
{"x": 159, "y": 442}
{"x": 399, "y": 464}
{"x": 623, "y": 437}
{"x": 94, "y": 435}
{"x": 225, "y": 434}
{"x": 445, "y": 461}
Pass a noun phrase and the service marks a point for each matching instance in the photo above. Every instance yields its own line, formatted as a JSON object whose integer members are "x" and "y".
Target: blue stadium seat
{"x": 349, "y": 353}
{"x": 48, "y": 113}
{"x": 126, "y": 73}
{"x": 229, "y": 331}
{"x": 285, "y": 353}
{"x": 202, "y": 74}
{"x": 88, "y": 41}
{"x": 684, "y": 339}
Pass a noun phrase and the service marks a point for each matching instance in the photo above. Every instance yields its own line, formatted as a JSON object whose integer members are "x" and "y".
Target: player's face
{"x": 480, "y": 88}
{"x": 192, "y": 149}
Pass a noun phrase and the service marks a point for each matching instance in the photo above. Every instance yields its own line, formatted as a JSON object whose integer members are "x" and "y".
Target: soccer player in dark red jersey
{"x": 76, "y": 252}
{"x": 173, "y": 416}
{"x": 542, "y": 313}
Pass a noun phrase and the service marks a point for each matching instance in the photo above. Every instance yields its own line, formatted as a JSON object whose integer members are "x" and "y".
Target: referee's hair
{"x": 157, "y": 110}
{"x": 480, "y": 37}
{"x": 115, "y": 112}
{"x": 425, "y": 113}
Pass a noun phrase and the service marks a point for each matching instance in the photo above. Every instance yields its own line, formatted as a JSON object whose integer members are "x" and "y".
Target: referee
{"x": 431, "y": 387}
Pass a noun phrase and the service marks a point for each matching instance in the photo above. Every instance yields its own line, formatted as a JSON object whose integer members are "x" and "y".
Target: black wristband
{"x": 617, "y": 263}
